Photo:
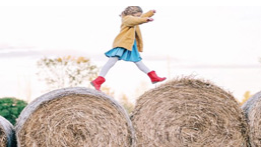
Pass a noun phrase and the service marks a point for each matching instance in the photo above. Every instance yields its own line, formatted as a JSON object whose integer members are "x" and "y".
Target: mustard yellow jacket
{"x": 130, "y": 31}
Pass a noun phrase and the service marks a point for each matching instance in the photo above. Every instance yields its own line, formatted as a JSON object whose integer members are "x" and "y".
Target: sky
{"x": 217, "y": 42}
{"x": 184, "y": 32}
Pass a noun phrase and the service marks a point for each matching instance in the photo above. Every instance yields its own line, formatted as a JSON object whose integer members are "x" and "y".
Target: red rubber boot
{"x": 98, "y": 82}
{"x": 154, "y": 78}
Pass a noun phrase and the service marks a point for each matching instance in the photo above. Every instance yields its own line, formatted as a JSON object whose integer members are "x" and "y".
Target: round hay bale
{"x": 7, "y": 133}
{"x": 252, "y": 109}
{"x": 74, "y": 117}
{"x": 188, "y": 112}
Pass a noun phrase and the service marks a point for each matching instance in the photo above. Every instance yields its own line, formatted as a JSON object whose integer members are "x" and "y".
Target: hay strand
{"x": 7, "y": 134}
{"x": 74, "y": 117}
{"x": 252, "y": 109}
{"x": 187, "y": 112}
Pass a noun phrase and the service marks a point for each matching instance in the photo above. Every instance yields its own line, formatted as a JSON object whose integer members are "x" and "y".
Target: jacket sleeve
{"x": 148, "y": 14}
{"x": 131, "y": 21}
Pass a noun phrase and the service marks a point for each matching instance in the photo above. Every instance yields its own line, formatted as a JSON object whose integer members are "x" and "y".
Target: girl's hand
{"x": 150, "y": 19}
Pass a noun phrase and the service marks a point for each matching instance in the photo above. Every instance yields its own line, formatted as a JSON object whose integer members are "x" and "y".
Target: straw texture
{"x": 188, "y": 112}
{"x": 252, "y": 109}
{"x": 7, "y": 134}
{"x": 74, "y": 117}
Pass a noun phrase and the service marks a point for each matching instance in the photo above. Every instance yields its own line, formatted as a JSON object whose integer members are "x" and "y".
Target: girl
{"x": 128, "y": 44}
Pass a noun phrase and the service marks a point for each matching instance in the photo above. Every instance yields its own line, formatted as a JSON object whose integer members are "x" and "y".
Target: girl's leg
{"x": 152, "y": 74}
{"x": 110, "y": 63}
{"x": 142, "y": 67}
{"x": 100, "y": 79}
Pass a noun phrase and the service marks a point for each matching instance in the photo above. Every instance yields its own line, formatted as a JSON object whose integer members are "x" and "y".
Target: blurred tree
{"x": 67, "y": 71}
{"x": 142, "y": 88}
{"x": 10, "y": 108}
{"x": 247, "y": 95}
{"x": 107, "y": 90}
{"x": 124, "y": 101}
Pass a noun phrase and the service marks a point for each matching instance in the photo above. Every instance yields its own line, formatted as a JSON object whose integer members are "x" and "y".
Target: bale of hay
{"x": 7, "y": 133}
{"x": 188, "y": 112}
{"x": 252, "y": 109}
{"x": 74, "y": 117}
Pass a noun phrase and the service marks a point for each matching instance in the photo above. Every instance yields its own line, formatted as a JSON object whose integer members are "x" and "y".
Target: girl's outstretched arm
{"x": 149, "y": 13}
{"x": 131, "y": 21}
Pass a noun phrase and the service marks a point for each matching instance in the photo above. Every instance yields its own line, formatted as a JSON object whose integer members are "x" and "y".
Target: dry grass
{"x": 3, "y": 137}
{"x": 74, "y": 117}
{"x": 188, "y": 112}
{"x": 252, "y": 109}
{"x": 7, "y": 138}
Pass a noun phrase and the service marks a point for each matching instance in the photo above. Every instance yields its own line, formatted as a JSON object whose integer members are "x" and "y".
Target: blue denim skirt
{"x": 124, "y": 54}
